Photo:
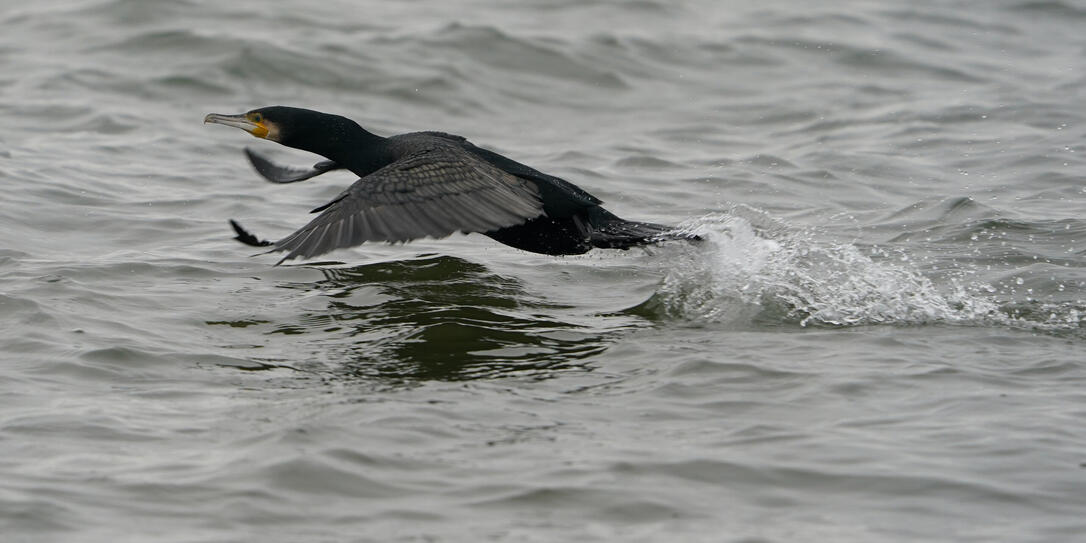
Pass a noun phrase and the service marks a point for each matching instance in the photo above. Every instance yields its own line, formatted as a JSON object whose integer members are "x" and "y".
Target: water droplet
{"x": 1018, "y": 281}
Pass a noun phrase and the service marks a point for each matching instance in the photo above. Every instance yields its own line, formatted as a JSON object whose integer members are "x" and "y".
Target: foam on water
{"x": 754, "y": 268}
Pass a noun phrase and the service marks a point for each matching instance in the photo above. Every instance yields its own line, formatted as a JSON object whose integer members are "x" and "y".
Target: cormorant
{"x": 429, "y": 184}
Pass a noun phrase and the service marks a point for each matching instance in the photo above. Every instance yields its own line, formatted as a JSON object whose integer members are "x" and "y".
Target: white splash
{"x": 753, "y": 267}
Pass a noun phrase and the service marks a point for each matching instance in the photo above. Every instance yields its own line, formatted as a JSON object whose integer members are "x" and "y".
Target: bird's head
{"x": 304, "y": 129}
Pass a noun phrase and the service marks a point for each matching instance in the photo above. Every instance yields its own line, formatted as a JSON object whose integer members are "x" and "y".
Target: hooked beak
{"x": 259, "y": 130}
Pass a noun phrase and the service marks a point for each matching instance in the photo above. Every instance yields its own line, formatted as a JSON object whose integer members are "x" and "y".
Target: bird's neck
{"x": 360, "y": 151}
{"x": 340, "y": 140}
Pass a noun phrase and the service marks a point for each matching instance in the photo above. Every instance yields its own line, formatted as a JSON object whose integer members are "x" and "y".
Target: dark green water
{"x": 881, "y": 339}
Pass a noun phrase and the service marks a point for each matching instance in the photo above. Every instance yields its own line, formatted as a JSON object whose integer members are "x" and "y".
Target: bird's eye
{"x": 256, "y": 118}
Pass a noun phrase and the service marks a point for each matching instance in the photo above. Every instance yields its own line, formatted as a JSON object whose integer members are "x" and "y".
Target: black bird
{"x": 429, "y": 184}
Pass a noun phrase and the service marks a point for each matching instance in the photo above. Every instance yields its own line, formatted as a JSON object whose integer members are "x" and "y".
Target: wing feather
{"x": 277, "y": 173}
{"x": 431, "y": 192}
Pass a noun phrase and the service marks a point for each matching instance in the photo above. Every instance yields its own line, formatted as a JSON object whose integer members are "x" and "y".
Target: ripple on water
{"x": 537, "y": 59}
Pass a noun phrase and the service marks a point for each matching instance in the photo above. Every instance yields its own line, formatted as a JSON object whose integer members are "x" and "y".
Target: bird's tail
{"x": 608, "y": 231}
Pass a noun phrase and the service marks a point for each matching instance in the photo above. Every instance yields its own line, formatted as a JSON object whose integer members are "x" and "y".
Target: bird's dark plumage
{"x": 283, "y": 174}
{"x": 429, "y": 184}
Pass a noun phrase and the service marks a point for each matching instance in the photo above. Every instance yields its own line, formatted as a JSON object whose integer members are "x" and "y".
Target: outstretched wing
{"x": 429, "y": 193}
{"x": 285, "y": 174}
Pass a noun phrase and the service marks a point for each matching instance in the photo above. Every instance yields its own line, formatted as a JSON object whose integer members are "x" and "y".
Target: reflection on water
{"x": 436, "y": 317}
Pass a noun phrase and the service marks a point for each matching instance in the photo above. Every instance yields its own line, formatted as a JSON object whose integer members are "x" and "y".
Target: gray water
{"x": 881, "y": 338}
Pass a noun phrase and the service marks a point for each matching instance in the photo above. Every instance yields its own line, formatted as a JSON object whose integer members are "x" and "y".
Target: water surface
{"x": 881, "y": 338}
